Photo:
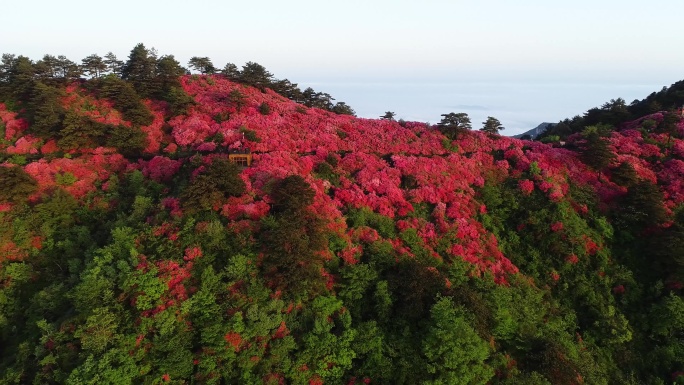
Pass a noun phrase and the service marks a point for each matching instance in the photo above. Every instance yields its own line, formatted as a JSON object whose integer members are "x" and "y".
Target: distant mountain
{"x": 533, "y": 133}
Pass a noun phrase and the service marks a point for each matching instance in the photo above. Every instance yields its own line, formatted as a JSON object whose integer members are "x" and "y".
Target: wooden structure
{"x": 241, "y": 156}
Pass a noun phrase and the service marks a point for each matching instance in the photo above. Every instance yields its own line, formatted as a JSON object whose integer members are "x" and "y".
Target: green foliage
{"x": 454, "y": 124}
{"x": 596, "y": 152}
{"x": 256, "y": 75}
{"x": 129, "y": 141}
{"x": 492, "y": 125}
{"x": 534, "y": 169}
{"x": 264, "y": 109}
{"x": 237, "y": 99}
{"x": 551, "y": 139}
{"x": 93, "y": 65}
{"x": 220, "y": 181}
{"x": 140, "y": 70}
{"x": 324, "y": 170}
{"x": 624, "y": 175}
{"x": 202, "y": 65}
{"x": 389, "y": 115}
{"x": 291, "y": 195}
{"x": 250, "y": 135}
{"x": 327, "y": 348}
{"x": 293, "y": 238}
{"x": 18, "y": 185}
{"x": 126, "y": 99}
{"x": 80, "y": 132}
{"x": 365, "y": 217}
{"x": 221, "y": 117}
{"x": 54, "y": 212}
{"x": 641, "y": 207}
{"x": 341, "y": 108}
{"x": 455, "y": 353}
{"x": 45, "y": 110}
{"x": 179, "y": 101}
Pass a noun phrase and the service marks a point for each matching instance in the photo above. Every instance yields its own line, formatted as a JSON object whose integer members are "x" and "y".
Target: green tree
{"x": 341, "y": 108}
{"x": 264, "y": 109}
{"x": 45, "y": 111}
{"x": 291, "y": 195}
{"x": 140, "y": 69}
{"x": 293, "y": 237}
{"x": 453, "y": 124}
{"x": 20, "y": 77}
{"x": 6, "y": 66}
{"x": 288, "y": 89}
{"x": 455, "y": 353}
{"x": 256, "y": 75}
{"x": 220, "y": 181}
{"x": 641, "y": 207}
{"x": 389, "y": 115}
{"x": 46, "y": 68}
{"x": 79, "y": 131}
{"x": 231, "y": 71}
{"x": 327, "y": 345}
{"x": 670, "y": 126}
{"x": 596, "y": 151}
{"x": 167, "y": 81}
{"x": 67, "y": 69}
{"x": 125, "y": 99}
{"x": 129, "y": 141}
{"x": 315, "y": 99}
{"x": 18, "y": 185}
{"x": 237, "y": 98}
{"x": 202, "y": 65}
{"x": 93, "y": 65}
{"x": 491, "y": 125}
{"x": 624, "y": 175}
{"x": 114, "y": 65}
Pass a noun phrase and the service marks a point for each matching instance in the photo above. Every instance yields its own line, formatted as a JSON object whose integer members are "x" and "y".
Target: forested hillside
{"x": 617, "y": 113}
{"x": 349, "y": 251}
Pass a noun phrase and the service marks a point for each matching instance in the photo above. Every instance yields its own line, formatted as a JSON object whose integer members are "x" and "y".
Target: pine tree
{"x": 596, "y": 151}
{"x": 114, "y": 65}
{"x": 202, "y": 64}
{"x": 45, "y": 110}
{"x": 389, "y": 115}
{"x": 67, "y": 69}
{"x": 167, "y": 74}
{"x": 641, "y": 207}
{"x": 256, "y": 75}
{"x": 492, "y": 126}
{"x": 453, "y": 124}
{"x": 292, "y": 237}
{"x": 342, "y": 108}
{"x": 46, "y": 68}
{"x": 18, "y": 185}
{"x": 231, "y": 71}
{"x": 140, "y": 69}
{"x": 93, "y": 66}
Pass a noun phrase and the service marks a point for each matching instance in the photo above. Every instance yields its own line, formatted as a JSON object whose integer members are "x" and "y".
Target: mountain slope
{"x": 349, "y": 251}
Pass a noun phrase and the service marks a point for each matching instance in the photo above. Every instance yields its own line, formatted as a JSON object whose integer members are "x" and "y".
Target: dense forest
{"x": 349, "y": 251}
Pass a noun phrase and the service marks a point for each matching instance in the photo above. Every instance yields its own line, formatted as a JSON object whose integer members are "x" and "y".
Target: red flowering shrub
{"x": 526, "y": 186}
{"x": 556, "y": 226}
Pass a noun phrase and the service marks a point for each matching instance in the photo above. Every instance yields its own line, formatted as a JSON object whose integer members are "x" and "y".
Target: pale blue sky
{"x": 391, "y": 42}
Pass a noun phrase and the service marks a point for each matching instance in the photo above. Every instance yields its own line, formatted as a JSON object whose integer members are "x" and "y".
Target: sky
{"x": 522, "y": 61}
